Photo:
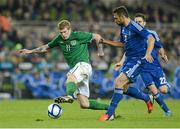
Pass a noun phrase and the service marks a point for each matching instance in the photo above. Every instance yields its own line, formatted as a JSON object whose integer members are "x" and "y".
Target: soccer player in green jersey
{"x": 74, "y": 46}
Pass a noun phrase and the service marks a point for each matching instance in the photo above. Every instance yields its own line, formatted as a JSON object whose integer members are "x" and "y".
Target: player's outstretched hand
{"x": 25, "y": 51}
{"x": 149, "y": 58}
{"x": 97, "y": 37}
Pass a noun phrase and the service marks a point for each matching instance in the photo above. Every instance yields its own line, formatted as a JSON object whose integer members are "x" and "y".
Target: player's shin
{"x": 160, "y": 101}
{"x": 116, "y": 98}
{"x": 70, "y": 88}
{"x": 136, "y": 93}
{"x": 93, "y": 104}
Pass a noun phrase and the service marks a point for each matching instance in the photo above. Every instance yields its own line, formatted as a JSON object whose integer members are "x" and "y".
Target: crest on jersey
{"x": 73, "y": 42}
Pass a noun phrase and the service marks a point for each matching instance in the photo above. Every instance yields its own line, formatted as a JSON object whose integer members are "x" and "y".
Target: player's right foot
{"x": 149, "y": 106}
{"x": 64, "y": 99}
{"x": 106, "y": 117}
{"x": 168, "y": 113}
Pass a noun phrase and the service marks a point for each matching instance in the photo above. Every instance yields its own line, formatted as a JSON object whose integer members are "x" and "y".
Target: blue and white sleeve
{"x": 158, "y": 43}
{"x": 140, "y": 30}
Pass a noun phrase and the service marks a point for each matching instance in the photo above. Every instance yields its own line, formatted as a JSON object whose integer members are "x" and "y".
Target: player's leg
{"x": 85, "y": 103}
{"x": 76, "y": 75}
{"x": 120, "y": 82}
{"x": 136, "y": 93}
{"x": 160, "y": 82}
{"x": 159, "y": 99}
{"x": 71, "y": 86}
{"x": 129, "y": 72}
{"x": 162, "y": 85}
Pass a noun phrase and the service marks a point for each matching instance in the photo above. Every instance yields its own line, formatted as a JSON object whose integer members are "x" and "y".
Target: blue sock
{"x": 117, "y": 96}
{"x": 136, "y": 93}
{"x": 160, "y": 101}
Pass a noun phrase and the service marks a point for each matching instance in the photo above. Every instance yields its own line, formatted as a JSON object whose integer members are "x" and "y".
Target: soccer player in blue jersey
{"x": 133, "y": 37}
{"x": 152, "y": 73}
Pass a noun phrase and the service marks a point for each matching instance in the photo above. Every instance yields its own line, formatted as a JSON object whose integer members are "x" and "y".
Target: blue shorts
{"x": 132, "y": 68}
{"x": 156, "y": 77}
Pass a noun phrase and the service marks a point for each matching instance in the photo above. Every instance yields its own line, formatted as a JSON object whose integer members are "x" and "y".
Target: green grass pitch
{"x": 132, "y": 113}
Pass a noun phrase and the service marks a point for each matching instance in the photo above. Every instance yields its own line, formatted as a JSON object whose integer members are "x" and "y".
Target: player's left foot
{"x": 168, "y": 113}
{"x": 149, "y": 106}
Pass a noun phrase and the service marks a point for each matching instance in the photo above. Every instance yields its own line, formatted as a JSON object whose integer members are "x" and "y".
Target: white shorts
{"x": 82, "y": 71}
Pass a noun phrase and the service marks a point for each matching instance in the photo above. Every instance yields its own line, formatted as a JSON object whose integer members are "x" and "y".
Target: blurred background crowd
{"x": 31, "y": 23}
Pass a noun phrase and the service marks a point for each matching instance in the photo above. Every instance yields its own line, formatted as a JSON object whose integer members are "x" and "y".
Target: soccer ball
{"x": 54, "y": 111}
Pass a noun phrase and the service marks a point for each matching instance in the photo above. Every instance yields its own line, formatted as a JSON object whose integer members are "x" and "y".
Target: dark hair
{"x": 122, "y": 10}
{"x": 143, "y": 16}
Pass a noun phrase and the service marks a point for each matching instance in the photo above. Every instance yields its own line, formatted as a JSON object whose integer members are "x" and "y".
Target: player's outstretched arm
{"x": 112, "y": 43}
{"x": 41, "y": 49}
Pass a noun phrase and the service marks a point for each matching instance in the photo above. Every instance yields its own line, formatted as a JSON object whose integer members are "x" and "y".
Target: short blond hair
{"x": 64, "y": 24}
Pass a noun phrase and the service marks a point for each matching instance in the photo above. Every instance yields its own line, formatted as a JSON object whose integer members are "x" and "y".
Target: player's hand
{"x": 163, "y": 55}
{"x": 149, "y": 58}
{"x": 25, "y": 51}
{"x": 164, "y": 58}
{"x": 118, "y": 65}
{"x": 97, "y": 37}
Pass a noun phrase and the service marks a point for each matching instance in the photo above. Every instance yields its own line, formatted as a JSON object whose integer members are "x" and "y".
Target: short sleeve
{"x": 158, "y": 43}
{"x": 53, "y": 43}
{"x": 140, "y": 30}
{"x": 85, "y": 36}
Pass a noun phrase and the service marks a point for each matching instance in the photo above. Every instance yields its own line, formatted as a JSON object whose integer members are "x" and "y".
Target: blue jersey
{"x": 153, "y": 66}
{"x": 134, "y": 38}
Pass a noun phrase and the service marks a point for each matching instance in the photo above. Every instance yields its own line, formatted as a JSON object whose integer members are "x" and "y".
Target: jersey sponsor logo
{"x": 73, "y": 42}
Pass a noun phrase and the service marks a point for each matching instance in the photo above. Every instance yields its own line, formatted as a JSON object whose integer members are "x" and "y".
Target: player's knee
{"x": 84, "y": 105}
{"x": 125, "y": 88}
{"x": 120, "y": 82}
{"x": 153, "y": 89}
{"x": 71, "y": 78}
{"x": 164, "y": 90}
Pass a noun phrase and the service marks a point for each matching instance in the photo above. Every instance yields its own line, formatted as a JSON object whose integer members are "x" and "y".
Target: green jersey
{"x": 75, "y": 48}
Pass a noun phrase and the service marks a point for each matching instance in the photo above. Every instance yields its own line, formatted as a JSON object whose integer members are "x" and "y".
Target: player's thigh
{"x": 131, "y": 69}
{"x": 160, "y": 81}
{"x": 121, "y": 81}
{"x": 82, "y": 88}
{"x": 147, "y": 78}
{"x": 83, "y": 101}
{"x": 79, "y": 72}
{"x": 71, "y": 78}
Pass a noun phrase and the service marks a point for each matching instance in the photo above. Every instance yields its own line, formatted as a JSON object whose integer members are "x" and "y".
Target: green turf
{"x": 33, "y": 114}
